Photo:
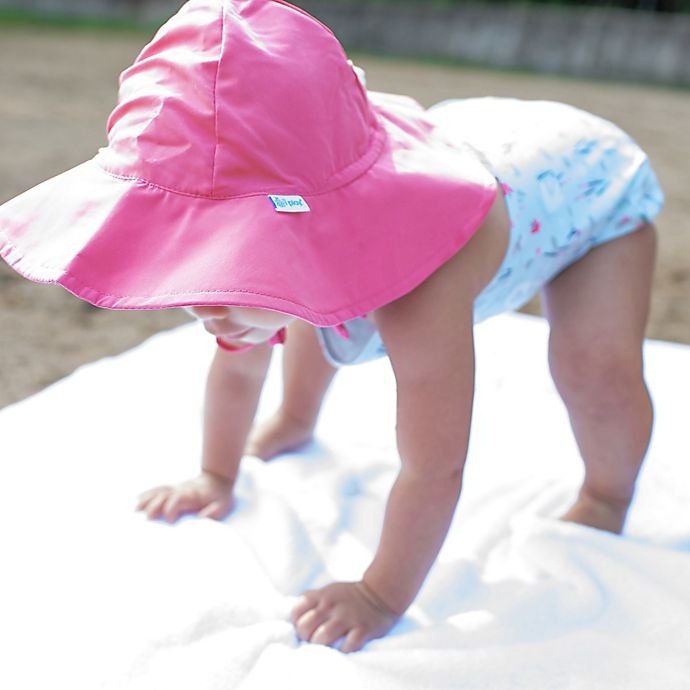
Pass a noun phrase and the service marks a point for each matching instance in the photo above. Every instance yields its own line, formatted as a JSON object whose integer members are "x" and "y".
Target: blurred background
{"x": 626, "y": 60}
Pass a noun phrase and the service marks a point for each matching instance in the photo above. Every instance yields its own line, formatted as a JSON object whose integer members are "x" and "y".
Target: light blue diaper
{"x": 571, "y": 181}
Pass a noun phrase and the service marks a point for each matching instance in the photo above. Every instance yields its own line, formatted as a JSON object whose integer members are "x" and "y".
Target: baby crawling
{"x": 597, "y": 310}
{"x": 268, "y": 190}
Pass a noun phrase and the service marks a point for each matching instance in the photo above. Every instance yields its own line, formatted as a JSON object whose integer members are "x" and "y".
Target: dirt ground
{"x": 57, "y": 87}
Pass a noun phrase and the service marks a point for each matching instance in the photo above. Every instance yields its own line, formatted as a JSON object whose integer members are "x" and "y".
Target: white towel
{"x": 94, "y": 596}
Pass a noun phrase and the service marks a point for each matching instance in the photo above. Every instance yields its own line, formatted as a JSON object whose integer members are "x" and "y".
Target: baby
{"x": 251, "y": 178}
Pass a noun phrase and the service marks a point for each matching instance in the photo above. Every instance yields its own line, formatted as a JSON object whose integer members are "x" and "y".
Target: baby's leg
{"x": 306, "y": 377}
{"x": 598, "y": 310}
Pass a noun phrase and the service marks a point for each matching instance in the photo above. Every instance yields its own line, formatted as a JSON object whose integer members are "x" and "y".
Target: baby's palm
{"x": 209, "y": 495}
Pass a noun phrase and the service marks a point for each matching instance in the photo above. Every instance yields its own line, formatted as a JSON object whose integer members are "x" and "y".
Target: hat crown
{"x": 241, "y": 97}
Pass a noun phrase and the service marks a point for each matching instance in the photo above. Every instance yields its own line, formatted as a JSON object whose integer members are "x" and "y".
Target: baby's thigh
{"x": 604, "y": 292}
{"x": 601, "y": 301}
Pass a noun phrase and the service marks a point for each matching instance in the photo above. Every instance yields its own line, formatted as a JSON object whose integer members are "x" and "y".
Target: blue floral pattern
{"x": 571, "y": 180}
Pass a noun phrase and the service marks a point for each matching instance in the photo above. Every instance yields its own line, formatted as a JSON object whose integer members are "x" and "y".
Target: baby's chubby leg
{"x": 306, "y": 377}
{"x": 598, "y": 310}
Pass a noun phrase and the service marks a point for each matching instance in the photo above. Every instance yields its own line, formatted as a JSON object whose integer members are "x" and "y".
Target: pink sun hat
{"x": 247, "y": 166}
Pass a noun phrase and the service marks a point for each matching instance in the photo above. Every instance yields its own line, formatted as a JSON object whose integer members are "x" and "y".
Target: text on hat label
{"x": 288, "y": 204}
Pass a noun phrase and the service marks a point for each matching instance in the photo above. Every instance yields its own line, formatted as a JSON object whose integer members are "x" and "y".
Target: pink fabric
{"x": 278, "y": 338}
{"x": 234, "y": 348}
{"x": 230, "y": 102}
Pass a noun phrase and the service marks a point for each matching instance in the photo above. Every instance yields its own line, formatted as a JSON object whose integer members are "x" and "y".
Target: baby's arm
{"x": 233, "y": 387}
{"x": 433, "y": 424}
{"x": 428, "y": 335}
{"x": 306, "y": 378}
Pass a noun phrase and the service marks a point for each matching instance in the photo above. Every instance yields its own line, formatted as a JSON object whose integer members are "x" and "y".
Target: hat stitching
{"x": 366, "y": 161}
{"x": 415, "y": 278}
{"x": 215, "y": 101}
{"x": 453, "y": 249}
{"x": 74, "y": 279}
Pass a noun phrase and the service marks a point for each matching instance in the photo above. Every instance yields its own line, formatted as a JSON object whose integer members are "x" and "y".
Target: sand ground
{"x": 57, "y": 87}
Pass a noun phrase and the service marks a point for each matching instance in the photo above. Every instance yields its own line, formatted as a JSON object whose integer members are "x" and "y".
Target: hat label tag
{"x": 288, "y": 204}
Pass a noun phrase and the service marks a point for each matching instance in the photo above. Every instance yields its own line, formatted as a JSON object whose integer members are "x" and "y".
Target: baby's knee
{"x": 593, "y": 374}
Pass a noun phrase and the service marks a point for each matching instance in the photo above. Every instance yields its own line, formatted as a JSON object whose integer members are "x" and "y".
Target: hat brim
{"x": 122, "y": 243}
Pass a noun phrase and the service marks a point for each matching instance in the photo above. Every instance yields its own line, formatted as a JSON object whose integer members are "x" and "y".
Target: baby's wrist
{"x": 394, "y": 587}
{"x": 218, "y": 477}
{"x": 376, "y": 601}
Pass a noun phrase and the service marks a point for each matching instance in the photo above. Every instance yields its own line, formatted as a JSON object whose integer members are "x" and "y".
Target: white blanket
{"x": 94, "y": 596}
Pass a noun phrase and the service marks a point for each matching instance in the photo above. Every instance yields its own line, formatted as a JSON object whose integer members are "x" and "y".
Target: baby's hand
{"x": 209, "y": 495}
{"x": 344, "y": 610}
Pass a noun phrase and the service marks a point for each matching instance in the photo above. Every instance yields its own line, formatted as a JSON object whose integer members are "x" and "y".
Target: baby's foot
{"x": 279, "y": 434}
{"x": 598, "y": 512}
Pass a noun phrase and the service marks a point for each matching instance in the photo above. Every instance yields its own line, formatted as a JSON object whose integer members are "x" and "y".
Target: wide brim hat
{"x": 247, "y": 165}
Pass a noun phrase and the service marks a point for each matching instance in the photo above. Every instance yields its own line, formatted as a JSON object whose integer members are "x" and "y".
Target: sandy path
{"x": 57, "y": 88}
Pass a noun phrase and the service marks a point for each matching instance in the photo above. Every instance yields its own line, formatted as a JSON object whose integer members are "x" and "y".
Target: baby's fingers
{"x": 179, "y": 503}
{"x": 354, "y": 641}
{"x": 329, "y": 633}
{"x": 321, "y": 625}
{"x": 153, "y": 507}
{"x": 306, "y": 602}
{"x": 148, "y": 496}
{"x": 308, "y": 623}
{"x": 217, "y": 510}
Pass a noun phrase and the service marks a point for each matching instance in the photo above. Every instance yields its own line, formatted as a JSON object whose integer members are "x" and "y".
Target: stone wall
{"x": 144, "y": 11}
{"x": 585, "y": 42}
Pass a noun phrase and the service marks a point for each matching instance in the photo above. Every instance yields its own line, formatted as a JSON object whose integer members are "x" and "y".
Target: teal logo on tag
{"x": 288, "y": 204}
